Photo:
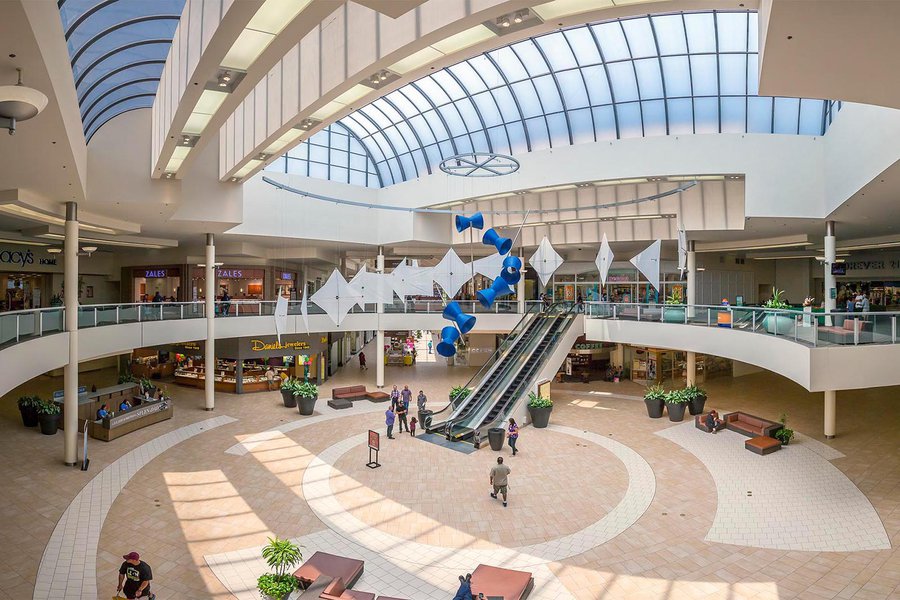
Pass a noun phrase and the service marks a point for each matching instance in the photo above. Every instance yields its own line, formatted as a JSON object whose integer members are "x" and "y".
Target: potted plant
{"x": 307, "y": 393}
{"x": 48, "y": 417}
{"x": 673, "y": 310}
{"x": 539, "y": 408}
{"x": 288, "y": 389}
{"x": 785, "y": 434}
{"x": 281, "y": 556}
{"x": 696, "y": 399}
{"x": 778, "y": 323}
{"x": 654, "y": 399}
{"x": 676, "y": 402}
{"x": 458, "y": 393}
{"x": 28, "y": 406}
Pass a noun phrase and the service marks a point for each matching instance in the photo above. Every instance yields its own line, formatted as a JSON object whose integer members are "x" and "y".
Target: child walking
{"x": 412, "y": 426}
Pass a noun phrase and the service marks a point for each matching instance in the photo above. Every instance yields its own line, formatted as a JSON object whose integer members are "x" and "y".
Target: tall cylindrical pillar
{"x": 70, "y": 372}
{"x": 691, "y": 278}
{"x": 379, "y": 336}
{"x": 830, "y": 413}
{"x": 691, "y": 368}
{"x": 520, "y": 287}
{"x": 209, "y": 358}
{"x": 830, "y": 283}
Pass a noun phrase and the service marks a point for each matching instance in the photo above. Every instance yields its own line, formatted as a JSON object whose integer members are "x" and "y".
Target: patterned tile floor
{"x": 217, "y": 493}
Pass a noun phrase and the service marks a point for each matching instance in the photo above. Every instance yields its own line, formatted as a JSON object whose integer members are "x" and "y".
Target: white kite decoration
{"x": 682, "y": 251}
{"x": 337, "y": 297}
{"x": 281, "y": 311}
{"x": 304, "y": 310}
{"x": 545, "y": 261}
{"x": 647, "y": 262}
{"x": 451, "y": 273}
{"x": 412, "y": 280}
{"x": 374, "y": 287}
{"x": 489, "y": 266}
{"x": 604, "y": 259}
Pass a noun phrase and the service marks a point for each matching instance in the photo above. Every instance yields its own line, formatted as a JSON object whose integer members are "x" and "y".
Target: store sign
{"x": 286, "y": 276}
{"x": 134, "y": 414}
{"x": 263, "y": 346}
{"x": 155, "y": 274}
{"x": 872, "y": 265}
{"x": 230, "y": 274}
{"x": 17, "y": 257}
{"x": 619, "y": 278}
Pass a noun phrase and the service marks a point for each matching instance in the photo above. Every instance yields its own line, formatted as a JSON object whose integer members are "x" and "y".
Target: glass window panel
{"x": 556, "y": 49}
{"x": 582, "y": 126}
{"x": 734, "y": 114}
{"x": 463, "y": 144}
{"x": 402, "y": 103}
{"x": 706, "y": 115}
{"x": 453, "y": 120}
{"x": 753, "y": 74}
{"x": 509, "y": 64}
{"x": 351, "y": 122}
{"x": 487, "y": 108}
{"x": 701, "y": 32}
{"x": 597, "y": 85}
{"x": 753, "y": 26}
{"x": 364, "y": 121}
{"x": 446, "y": 149}
{"x": 676, "y": 70}
{"x": 787, "y": 114}
{"x": 318, "y": 154}
{"x": 416, "y": 97}
{"x": 359, "y": 162}
{"x": 811, "y": 117}
{"x": 732, "y": 30}
{"x": 612, "y": 41}
{"x": 279, "y": 165}
{"x": 670, "y": 34}
{"x": 733, "y": 74}
{"x": 318, "y": 171}
{"x": 468, "y": 77}
{"x": 421, "y": 126}
{"x": 681, "y": 116}
{"x": 559, "y": 130}
{"x": 528, "y": 99}
{"x": 398, "y": 144}
{"x": 480, "y": 141}
{"x": 409, "y": 138}
{"x": 517, "y": 140}
{"x": 433, "y": 153}
{"x": 391, "y": 113}
{"x": 357, "y": 178}
{"x": 432, "y": 90}
{"x": 486, "y": 71}
{"x": 499, "y": 140}
{"x": 572, "y": 86}
{"x": 469, "y": 114}
{"x": 583, "y": 46}
{"x": 341, "y": 159}
{"x": 394, "y": 165}
{"x": 437, "y": 125}
{"x": 298, "y": 167}
{"x": 654, "y": 113}
{"x": 384, "y": 172}
{"x": 378, "y": 113}
{"x": 704, "y": 74}
{"x": 537, "y": 133}
{"x": 640, "y": 37}
{"x": 649, "y": 79}
{"x": 531, "y": 58}
{"x": 548, "y": 93}
{"x": 339, "y": 174}
{"x": 448, "y": 84}
{"x": 604, "y": 122}
{"x": 629, "y": 120}
{"x": 624, "y": 85}
{"x": 508, "y": 109}
{"x": 300, "y": 152}
{"x": 409, "y": 167}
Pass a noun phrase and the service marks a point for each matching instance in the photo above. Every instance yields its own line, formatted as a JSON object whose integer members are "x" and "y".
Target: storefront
{"x": 152, "y": 280}
{"x": 242, "y": 363}
{"x": 875, "y": 274}
{"x": 622, "y": 285}
{"x": 241, "y": 283}
{"x": 286, "y": 284}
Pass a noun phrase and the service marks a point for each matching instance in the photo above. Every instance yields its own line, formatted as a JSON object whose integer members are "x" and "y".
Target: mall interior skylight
{"x": 117, "y": 50}
{"x": 652, "y": 75}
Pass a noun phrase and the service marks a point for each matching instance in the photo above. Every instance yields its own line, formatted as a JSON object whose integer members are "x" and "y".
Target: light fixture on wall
{"x": 87, "y": 250}
{"x": 19, "y": 103}
{"x": 54, "y": 250}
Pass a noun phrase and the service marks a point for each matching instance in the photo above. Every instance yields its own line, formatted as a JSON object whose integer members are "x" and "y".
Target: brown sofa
{"x": 353, "y": 392}
{"x": 331, "y": 565}
{"x": 330, "y": 588}
{"x": 749, "y": 425}
{"x": 843, "y": 334}
{"x": 700, "y": 423}
{"x": 495, "y": 582}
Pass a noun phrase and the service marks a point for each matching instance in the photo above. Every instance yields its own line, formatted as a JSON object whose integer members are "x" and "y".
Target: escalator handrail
{"x": 513, "y": 356}
{"x": 484, "y": 371}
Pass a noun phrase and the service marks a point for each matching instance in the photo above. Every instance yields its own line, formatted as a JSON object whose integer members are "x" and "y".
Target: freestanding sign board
{"x": 374, "y": 444}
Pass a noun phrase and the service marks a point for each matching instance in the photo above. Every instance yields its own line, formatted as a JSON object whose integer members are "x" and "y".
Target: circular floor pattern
{"x": 430, "y": 494}
{"x": 317, "y": 489}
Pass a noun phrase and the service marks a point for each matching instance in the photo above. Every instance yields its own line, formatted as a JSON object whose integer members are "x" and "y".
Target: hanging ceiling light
{"x": 19, "y": 103}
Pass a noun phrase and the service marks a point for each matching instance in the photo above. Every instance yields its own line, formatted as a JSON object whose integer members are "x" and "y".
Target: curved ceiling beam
{"x": 96, "y": 101}
{"x": 140, "y": 63}
{"x": 99, "y": 36}
{"x": 90, "y": 123}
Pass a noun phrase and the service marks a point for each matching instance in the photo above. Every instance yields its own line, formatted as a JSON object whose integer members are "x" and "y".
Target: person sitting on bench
{"x": 713, "y": 422}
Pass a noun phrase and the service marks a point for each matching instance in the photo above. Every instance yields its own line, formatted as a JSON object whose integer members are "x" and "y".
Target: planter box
{"x": 49, "y": 424}
{"x": 306, "y": 405}
{"x": 540, "y": 417}
{"x": 695, "y": 406}
{"x": 654, "y": 408}
{"x": 676, "y": 411}
{"x": 673, "y": 314}
{"x": 287, "y": 396}
{"x": 780, "y": 324}
{"x": 29, "y": 416}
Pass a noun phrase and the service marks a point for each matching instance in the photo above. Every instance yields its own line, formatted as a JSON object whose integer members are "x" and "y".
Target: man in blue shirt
{"x": 389, "y": 421}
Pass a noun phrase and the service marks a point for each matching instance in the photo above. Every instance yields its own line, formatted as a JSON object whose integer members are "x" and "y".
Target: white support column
{"x": 830, "y": 413}
{"x": 520, "y": 288}
{"x": 830, "y": 283}
{"x": 303, "y": 286}
{"x": 209, "y": 359}
{"x": 379, "y": 336}
{"x": 691, "y": 368}
{"x": 691, "y": 278}
{"x": 70, "y": 373}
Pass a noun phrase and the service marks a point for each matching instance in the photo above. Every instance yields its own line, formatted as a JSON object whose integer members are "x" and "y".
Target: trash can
{"x": 495, "y": 437}
{"x": 425, "y": 419}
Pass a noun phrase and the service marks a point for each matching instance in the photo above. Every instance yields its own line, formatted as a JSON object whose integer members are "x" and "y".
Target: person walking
{"x": 512, "y": 435}
{"x": 389, "y": 421}
{"x": 395, "y": 397}
{"x": 362, "y": 361}
{"x": 134, "y": 577}
{"x": 500, "y": 479}
{"x": 406, "y": 396}
{"x": 429, "y": 346}
{"x": 270, "y": 378}
{"x": 401, "y": 416}
{"x": 226, "y": 303}
{"x": 412, "y": 426}
{"x": 421, "y": 400}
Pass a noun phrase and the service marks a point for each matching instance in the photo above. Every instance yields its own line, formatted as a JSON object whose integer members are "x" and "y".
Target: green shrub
{"x": 655, "y": 392}
{"x": 48, "y": 408}
{"x": 30, "y": 402}
{"x": 276, "y": 586}
{"x": 785, "y": 434}
{"x": 777, "y": 300}
{"x": 459, "y": 392}
{"x": 677, "y": 397}
{"x": 307, "y": 390}
{"x": 692, "y": 392}
{"x": 535, "y": 401}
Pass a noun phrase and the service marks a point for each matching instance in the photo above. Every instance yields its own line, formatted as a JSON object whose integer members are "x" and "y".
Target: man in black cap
{"x": 135, "y": 574}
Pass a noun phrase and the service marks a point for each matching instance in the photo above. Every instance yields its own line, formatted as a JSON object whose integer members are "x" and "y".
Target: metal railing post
{"x": 856, "y": 324}
{"x": 181, "y": 312}
{"x": 638, "y": 312}
{"x": 753, "y": 321}
{"x": 775, "y": 329}
{"x": 894, "y": 329}
{"x": 118, "y": 320}
{"x": 160, "y": 311}
{"x": 708, "y": 317}
{"x": 260, "y": 309}
{"x": 17, "y": 328}
{"x": 815, "y": 332}
{"x": 40, "y": 323}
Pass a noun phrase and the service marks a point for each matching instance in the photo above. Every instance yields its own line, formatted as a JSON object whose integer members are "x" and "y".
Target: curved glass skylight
{"x": 631, "y": 77}
{"x": 332, "y": 153}
{"x": 117, "y": 49}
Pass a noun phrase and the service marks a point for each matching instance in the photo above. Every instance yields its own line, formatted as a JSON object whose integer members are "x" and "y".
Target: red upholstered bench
{"x": 762, "y": 445}
{"x": 332, "y": 565}
{"x": 501, "y": 583}
{"x": 749, "y": 425}
{"x": 352, "y": 392}
{"x": 378, "y": 397}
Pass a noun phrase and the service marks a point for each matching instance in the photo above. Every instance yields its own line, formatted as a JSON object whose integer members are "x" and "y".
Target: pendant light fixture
{"x": 19, "y": 103}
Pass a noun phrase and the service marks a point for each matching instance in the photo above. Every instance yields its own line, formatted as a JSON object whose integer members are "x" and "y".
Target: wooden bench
{"x": 352, "y": 392}
{"x": 762, "y": 445}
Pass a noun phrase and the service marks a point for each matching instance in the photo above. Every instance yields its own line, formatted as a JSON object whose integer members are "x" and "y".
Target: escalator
{"x": 519, "y": 370}
{"x": 483, "y": 382}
